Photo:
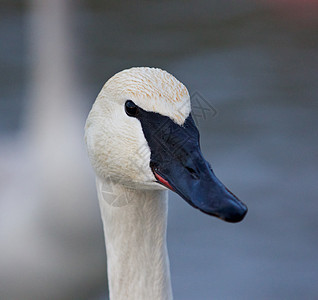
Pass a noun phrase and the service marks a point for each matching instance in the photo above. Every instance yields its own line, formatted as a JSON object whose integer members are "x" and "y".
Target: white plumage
{"x": 135, "y": 232}
{"x": 141, "y": 140}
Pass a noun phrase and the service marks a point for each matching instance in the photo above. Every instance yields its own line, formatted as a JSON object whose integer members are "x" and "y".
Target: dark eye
{"x": 131, "y": 108}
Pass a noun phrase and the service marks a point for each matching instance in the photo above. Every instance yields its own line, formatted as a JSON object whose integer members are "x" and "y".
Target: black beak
{"x": 177, "y": 163}
{"x": 195, "y": 182}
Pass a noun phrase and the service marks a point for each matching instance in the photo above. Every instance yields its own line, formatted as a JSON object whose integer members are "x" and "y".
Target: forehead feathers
{"x": 153, "y": 90}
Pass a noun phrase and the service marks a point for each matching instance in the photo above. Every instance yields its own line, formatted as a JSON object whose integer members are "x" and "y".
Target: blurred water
{"x": 258, "y": 68}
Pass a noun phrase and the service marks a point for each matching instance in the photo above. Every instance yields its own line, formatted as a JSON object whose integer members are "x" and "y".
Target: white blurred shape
{"x": 51, "y": 242}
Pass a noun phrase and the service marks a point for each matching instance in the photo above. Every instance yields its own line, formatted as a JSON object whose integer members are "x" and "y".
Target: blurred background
{"x": 252, "y": 68}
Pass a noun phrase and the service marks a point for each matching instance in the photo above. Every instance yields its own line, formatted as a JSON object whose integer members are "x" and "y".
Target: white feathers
{"x": 116, "y": 144}
{"x": 133, "y": 205}
{"x": 152, "y": 89}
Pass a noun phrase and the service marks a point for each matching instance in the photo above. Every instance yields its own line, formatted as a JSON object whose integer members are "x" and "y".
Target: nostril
{"x": 192, "y": 172}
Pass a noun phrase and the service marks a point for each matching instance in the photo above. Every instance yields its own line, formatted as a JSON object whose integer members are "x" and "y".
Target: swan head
{"x": 140, "y": 134}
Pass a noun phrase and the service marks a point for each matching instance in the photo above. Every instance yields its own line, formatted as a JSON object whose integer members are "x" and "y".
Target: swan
{"x": 142, "y": 141}
{"x": 51, "y": 244}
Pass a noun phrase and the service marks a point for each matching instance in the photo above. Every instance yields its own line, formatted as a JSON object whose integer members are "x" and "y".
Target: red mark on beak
{"x": 163, "y": 181}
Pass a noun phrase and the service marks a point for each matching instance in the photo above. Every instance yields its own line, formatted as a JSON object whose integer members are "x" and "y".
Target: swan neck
{"x": 135, "y": 223}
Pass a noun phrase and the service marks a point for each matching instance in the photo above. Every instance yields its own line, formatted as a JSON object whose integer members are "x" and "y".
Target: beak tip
{"x": 233, "y": 214}
{"x": 237, "y": 214}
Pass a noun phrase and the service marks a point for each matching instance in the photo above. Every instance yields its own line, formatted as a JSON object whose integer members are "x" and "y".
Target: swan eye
{"x": 131, "y": 108}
